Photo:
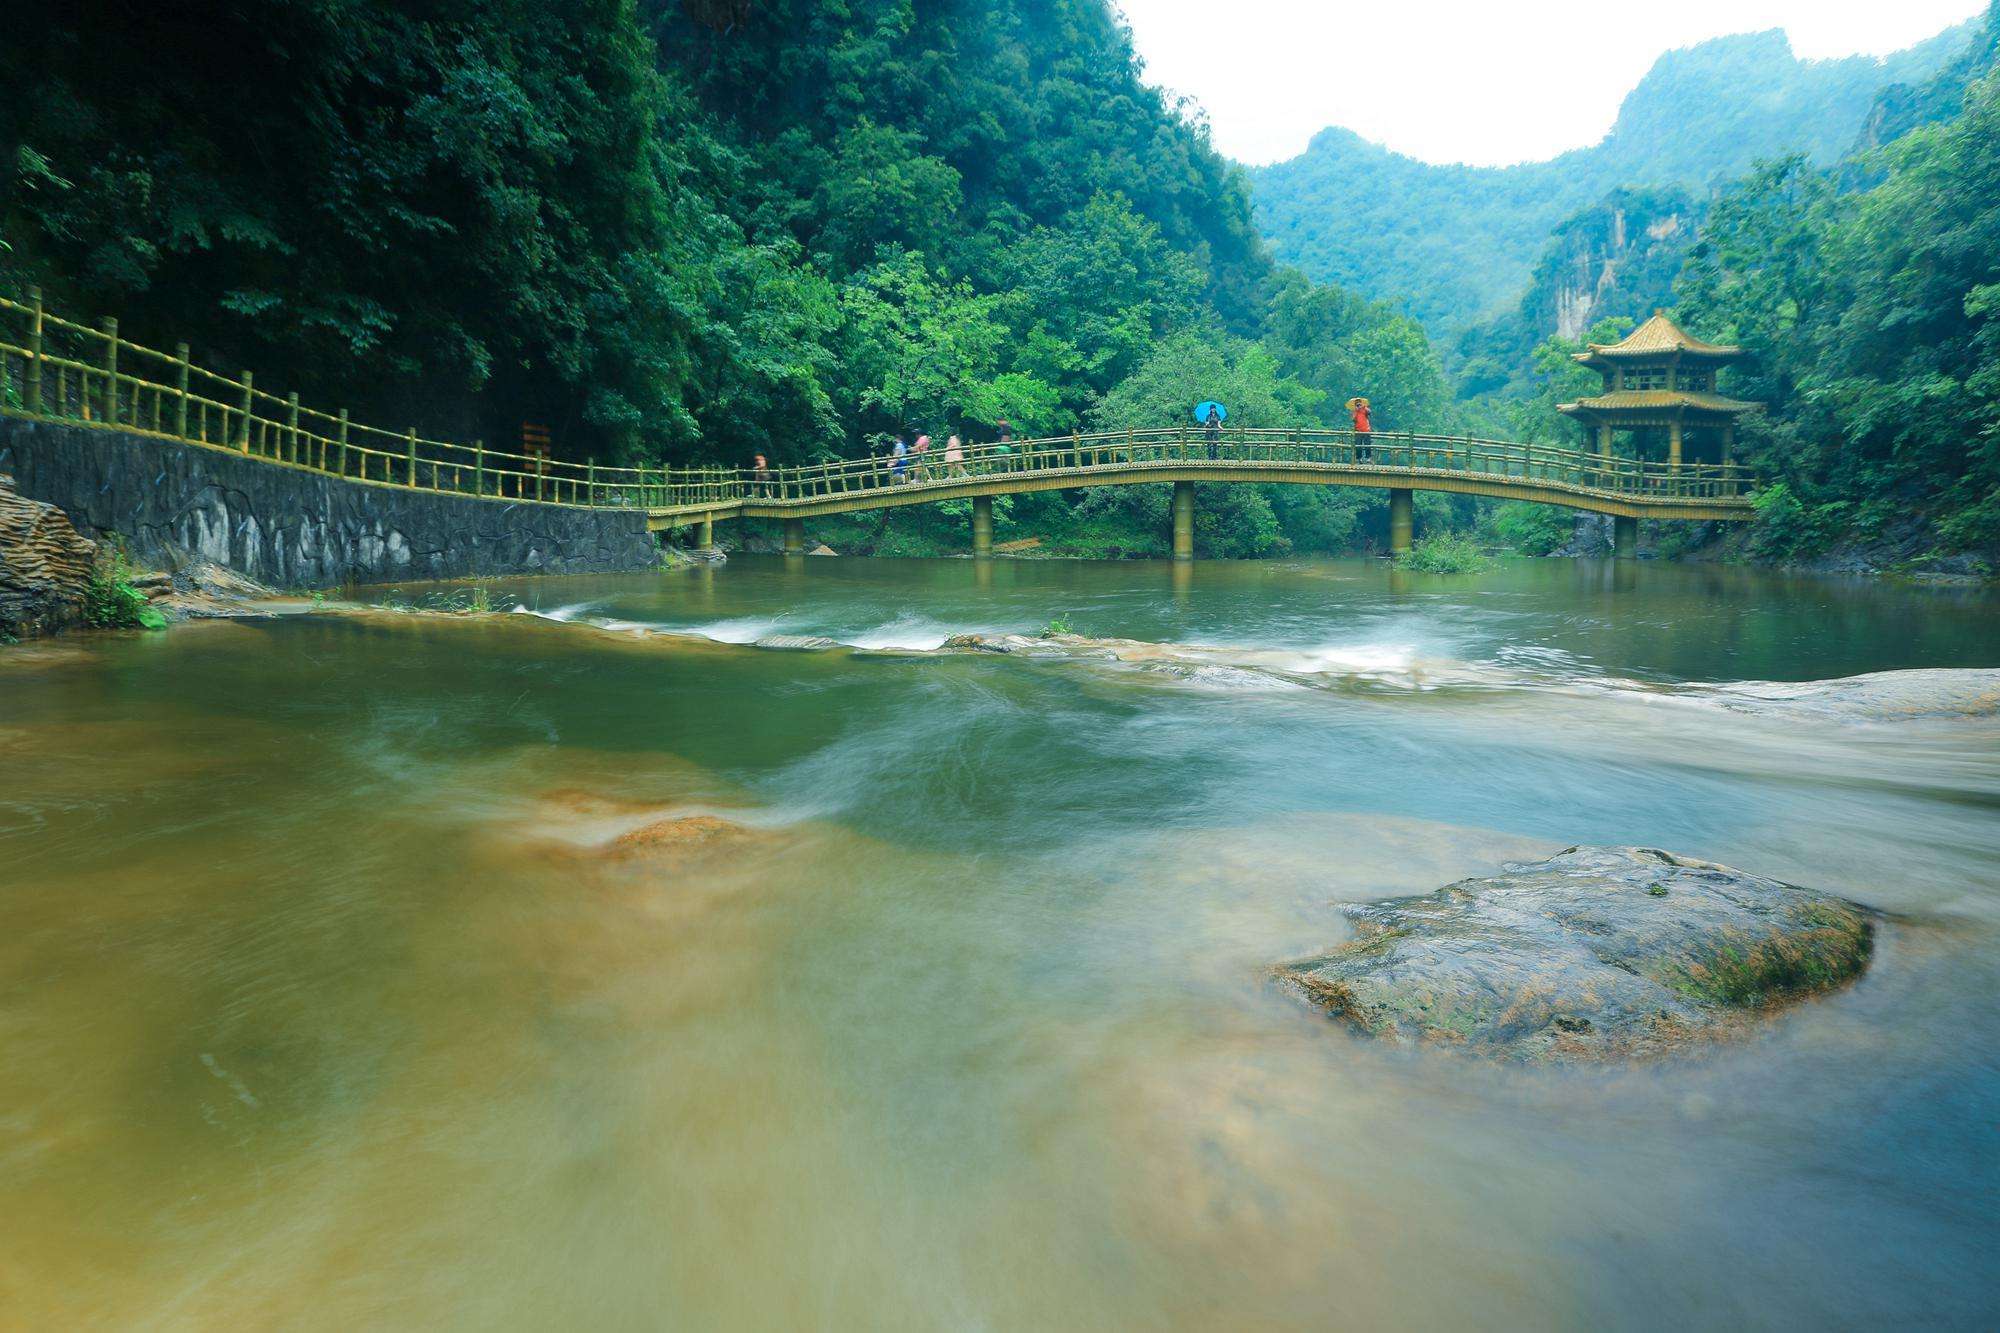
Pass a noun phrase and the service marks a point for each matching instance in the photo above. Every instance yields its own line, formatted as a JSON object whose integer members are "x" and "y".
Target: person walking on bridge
{"x": 899, "y": 455}
{"x": 760, "y": 472}
{"x": 1212, "y": 428}
{"x": 1364, "y": 447}
{"x": 919, "y": 455}
{"x": 954, "y": 457}
{"x": 1003, "y": 449}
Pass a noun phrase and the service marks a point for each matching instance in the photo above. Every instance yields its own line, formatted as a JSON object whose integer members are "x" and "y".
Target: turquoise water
{"x": 332, "y": 1001}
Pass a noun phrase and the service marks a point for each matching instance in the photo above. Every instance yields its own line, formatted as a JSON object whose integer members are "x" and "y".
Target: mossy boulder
{"x": 1597, "y": 953}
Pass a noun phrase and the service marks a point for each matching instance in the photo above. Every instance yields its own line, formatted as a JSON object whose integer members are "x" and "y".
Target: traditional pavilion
{"x": 1659, "y": 377}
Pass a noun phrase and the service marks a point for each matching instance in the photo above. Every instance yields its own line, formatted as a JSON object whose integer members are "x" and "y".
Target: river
{"x": 330, "y": 1000}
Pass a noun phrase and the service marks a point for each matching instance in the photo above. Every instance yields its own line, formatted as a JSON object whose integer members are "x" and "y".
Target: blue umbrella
{"x": 1201, "y": 413}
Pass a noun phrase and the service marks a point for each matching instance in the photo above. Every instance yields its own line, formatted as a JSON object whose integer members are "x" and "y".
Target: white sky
{"x": 1483, "y": 81}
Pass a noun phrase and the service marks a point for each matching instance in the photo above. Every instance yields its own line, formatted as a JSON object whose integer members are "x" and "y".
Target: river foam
{"x": 1373, "y": 665}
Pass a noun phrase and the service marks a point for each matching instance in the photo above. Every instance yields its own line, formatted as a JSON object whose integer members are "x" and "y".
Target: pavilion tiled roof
{"x": 1654, "y": 400}
{"x": 1658, "y": 337}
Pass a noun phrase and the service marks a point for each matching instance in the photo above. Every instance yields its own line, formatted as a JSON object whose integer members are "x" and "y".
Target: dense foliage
{"x": 1874, "y": 321}
{"x": 1867, "y": 296}
{"x": 1456, "y": 244}
{"x": 680, "y": 231}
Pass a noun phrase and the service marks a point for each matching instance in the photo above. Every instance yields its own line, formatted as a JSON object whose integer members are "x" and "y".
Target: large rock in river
{"x": 1596, "y": 953}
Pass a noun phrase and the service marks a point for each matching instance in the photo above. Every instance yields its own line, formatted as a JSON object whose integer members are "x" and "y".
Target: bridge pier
{"x": 795, "y": 536}
{"x": 704, "y": 533}
{"x": 1183, "y": 520}
{"x": 982, "y": 527}
{"x": 1624, "y": 538}
{"x": 1402, "y": 519}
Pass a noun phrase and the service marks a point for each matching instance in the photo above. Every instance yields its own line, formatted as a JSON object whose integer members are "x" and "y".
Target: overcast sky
{"x": 1485, "y": 81}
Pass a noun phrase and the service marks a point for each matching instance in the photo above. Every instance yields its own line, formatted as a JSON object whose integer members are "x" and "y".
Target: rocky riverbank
{"x": 53, "y": 578}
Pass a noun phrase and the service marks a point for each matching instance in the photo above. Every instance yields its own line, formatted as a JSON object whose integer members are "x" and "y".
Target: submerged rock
{"x": 1880, "y": 696}
{"x": 1598, "y": 953}
{"x": 796, "y": 643}
{"x": 685, "y": 833}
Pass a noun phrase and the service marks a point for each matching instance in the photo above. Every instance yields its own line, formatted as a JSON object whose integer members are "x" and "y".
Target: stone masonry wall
{"x": 290, "y": 528}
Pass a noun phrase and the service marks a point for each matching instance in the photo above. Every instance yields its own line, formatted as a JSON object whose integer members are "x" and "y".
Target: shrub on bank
{"x": 1444, "y": 553}
{"x": 111, "y": 601}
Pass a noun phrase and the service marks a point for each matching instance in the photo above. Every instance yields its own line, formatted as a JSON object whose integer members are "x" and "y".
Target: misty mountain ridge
{"x": 1457, "y": 244}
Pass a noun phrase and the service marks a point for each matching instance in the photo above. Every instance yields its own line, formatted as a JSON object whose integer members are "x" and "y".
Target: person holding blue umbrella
{"x": 1210, "y": 416}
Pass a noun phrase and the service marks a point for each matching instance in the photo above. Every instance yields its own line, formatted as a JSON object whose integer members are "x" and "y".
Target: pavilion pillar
{"x": 1604, "y": 440}
{"x": 982, "y": 527}
{"x": 705, "y": 533}
{"x": 1625, "y": 538}
{"x": 1728, "y": 443}
{"x": 795, "y": 536}
{"x": 1183, "y": 520}
{"x": 1402, "y": 520}
{"x": 1674, "y": 445}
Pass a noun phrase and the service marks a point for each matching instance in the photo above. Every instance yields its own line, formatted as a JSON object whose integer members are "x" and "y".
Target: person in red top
{"x": 1363, "y": 448}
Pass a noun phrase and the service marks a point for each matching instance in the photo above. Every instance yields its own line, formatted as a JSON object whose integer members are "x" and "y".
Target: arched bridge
{"x": 53, "y": 368}
{"x": 1628, "y": 489}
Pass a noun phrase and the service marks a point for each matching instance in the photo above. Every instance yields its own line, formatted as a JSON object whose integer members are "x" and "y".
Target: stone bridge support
{"x": 1183, "y": 520}
{"x": 704, "y": 533}
{"x": 795, "y": 536}
{"x": 1625, "y": 538}
{"x": 1402, "y": 520}
{"x": 982, "y": 527}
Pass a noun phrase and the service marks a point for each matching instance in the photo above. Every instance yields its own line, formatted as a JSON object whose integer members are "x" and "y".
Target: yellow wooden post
{"x": 479, "y": 467}
{"x": 111, "y": 371}
{"x": 292, "y": 426}
{"x": 32, "y": 393}
{"x": 181, "y": 390}
{"x": 412, "y": 438}
{"x": 591, "y": 494}
{"x": 249, "y": 406}
{"x": 1674, "y": 446}
{"x": 342, "y": 429}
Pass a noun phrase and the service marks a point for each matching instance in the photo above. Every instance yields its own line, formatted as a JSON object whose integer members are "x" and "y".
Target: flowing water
{"x": 329, "y": 998}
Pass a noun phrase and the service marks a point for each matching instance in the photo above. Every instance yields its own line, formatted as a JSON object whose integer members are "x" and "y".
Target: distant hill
{"x": 1455, "y": 245}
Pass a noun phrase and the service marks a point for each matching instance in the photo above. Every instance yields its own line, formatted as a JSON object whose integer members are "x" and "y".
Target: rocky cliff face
{"x": 1619, "y": 257}
{"x": 45, "y": 566}
{"x": 1613, "y": 259}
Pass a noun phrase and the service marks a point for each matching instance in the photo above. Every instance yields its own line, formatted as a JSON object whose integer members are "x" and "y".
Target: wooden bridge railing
{"x": 55, "y": 369}
{"x": 1259, "y": 450}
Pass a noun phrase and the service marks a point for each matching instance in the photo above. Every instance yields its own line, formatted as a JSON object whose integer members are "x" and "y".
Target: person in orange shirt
{"x": 1364, "y": 450}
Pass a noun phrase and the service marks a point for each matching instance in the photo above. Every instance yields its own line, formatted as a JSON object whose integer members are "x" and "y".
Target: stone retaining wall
{"x": 291, "y": 528}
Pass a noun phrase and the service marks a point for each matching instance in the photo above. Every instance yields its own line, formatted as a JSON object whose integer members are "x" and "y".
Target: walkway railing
{"x": 1238, "y": 449}
{"x": 55, "y": 369}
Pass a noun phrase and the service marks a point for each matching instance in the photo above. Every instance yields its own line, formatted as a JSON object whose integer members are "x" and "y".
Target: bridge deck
{"x": 1624, "y": 488}
{"x": 57, "y": 369}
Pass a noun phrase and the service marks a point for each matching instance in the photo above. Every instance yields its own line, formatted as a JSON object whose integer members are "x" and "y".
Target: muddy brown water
{"x": 928, "y": 992}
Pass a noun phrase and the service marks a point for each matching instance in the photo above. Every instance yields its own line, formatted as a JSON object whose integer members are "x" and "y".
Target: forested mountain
{"x": 1867, "y": 297}
{"x": 678, "y": 230}
{"x": 1454, "y": 245}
